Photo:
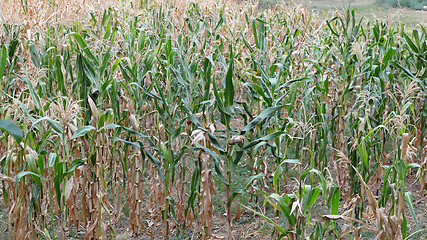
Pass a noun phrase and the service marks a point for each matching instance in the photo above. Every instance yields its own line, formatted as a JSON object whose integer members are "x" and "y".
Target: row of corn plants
{"x": 157, "y": 107}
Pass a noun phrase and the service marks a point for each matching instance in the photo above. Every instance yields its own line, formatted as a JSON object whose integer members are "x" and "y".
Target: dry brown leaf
{"x": 405, "y": 141}
{"x": 218, "y": 236}
{"x": 7, "y": 179}
{"x": 68, "y": 187}
{"x": 341, "y": 217}
{"x": 236, "y": 140}
{"x": 371, "y": 198}
{"x": 206, "y": 196}
{"x": 93, "y": 108}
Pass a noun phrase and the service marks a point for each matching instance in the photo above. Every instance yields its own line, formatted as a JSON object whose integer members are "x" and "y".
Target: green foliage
{"x": 12, "y": 129}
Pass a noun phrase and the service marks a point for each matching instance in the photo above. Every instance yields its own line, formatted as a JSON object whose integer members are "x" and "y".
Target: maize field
{"x": 187, "y": 119}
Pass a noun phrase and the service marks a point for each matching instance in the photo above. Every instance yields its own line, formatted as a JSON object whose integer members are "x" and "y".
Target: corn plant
{"x": 148, "y": 112}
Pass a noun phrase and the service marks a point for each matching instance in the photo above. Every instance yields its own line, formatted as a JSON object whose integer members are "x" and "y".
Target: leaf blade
{"x": 12, "y": 129}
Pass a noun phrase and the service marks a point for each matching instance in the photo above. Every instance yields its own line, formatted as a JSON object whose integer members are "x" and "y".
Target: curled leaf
{"x": 236, "y": 140}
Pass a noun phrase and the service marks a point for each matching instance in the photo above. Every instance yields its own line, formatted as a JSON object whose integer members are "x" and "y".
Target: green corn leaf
{"x": 246, "y": 43}
{"x": 413, "y": 165}
{"x": 132, "y": 144}
{"x": 374, "y": 130}
{"x": 251, "y": 179}
{"x": 266, "y": 113}
{"x": 75, "y": 164}
{"x": 276, "y": 178}
{"x": 293, "y": 81}
{"x": 81, "y": 132}
{"x": 307, "y": 197}
{"x": 262, "y": 139}
{"x": 388, "y": 56}
{"x": 155, "y": 161}
{"x": 53, "y": 157}
{"x": 34, "y": 55}
{"x": 261, "y": 92}
{"x": 22, "y": 174}
{"x": 234, "y": 195}
{"x": 284, "y": 208}
{"x": 407, "y": 71}
{"x": 254, "y": 29}
{"x": 12, "y": 129}
{"x": 54, "y": 124}
{"x": 33, "y": 92}
{"x": 417, "y": 37}
{"x": 104, "y": 64}
{"x": 322, "y": 180}
{"x": 207, "y": 75}
{"x": 229, "y": 88}
{"x": 84, "y": 47}
{"x": 218, "y": 101}
{"x": 116, "y": 64}
{"x": 194, "y": 119}
{"x": 172, "y": 202}
{"x": 220, "y": 22}
{"x": 313, "y": 197}
{"x": 265, "y": 87}
{"x": 404, "y": 227}
{"x": 282, "y": 230}
{"x": 3, "y": 60}
{"x": 131, "y": 131}
{"x": 152, "y": 95}
{"x": 216, "y": 159}
{"x": 32, "y": 166}
{"x": 13, "y": 47}
{"x": 408, "y": 198}
{"x": 330, "y": 26}
{"x": 363, "y": 155}
{"x": 40, "y": 163}
{"x": 58, "y": 179}
{"x": 410, "y": 42}
{"x": 89, "y": 70}
{"x": 335, "y": 201}
{"x": 59, "y": 75}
